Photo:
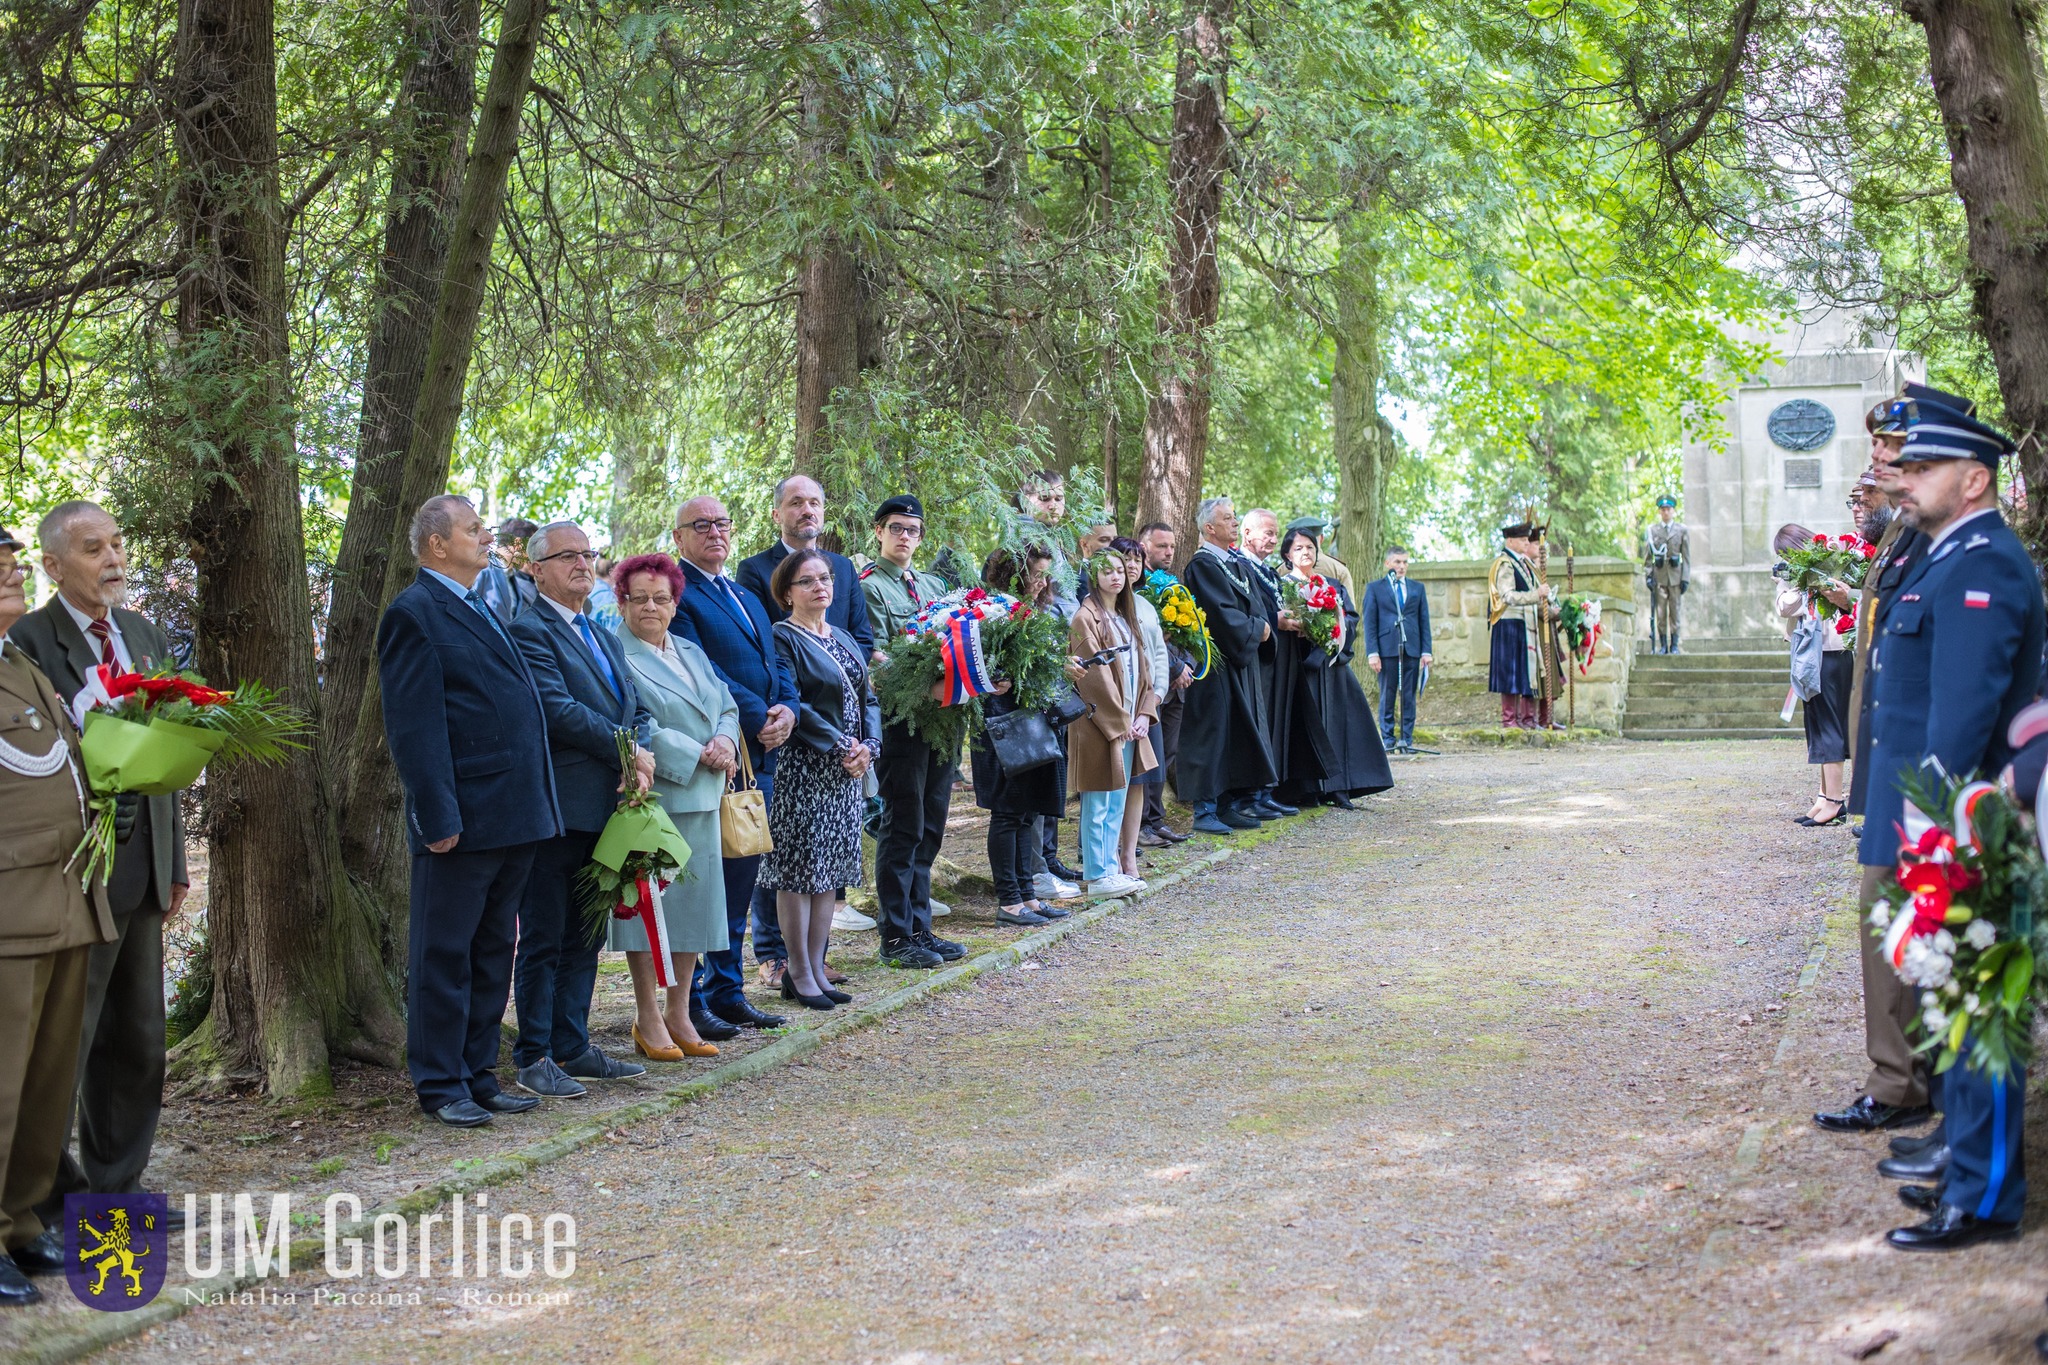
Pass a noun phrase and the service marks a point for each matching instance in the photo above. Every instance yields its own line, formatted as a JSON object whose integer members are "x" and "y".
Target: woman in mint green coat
{"x": 696, "y": 745}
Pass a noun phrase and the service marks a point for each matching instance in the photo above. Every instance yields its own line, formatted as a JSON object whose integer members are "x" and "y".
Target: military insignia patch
{"x": 116, "y": 1247}
{"x": 1976, "y": 599}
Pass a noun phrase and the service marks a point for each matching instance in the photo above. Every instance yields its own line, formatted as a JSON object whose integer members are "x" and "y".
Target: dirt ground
{"x": 1515, "y": 1064}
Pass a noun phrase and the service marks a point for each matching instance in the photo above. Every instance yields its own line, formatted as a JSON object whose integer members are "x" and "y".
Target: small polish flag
{"x": 1976, "y": 599}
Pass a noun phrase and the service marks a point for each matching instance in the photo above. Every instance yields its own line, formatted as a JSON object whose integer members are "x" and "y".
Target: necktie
{"x": 604, "y": 665}
{"x": 738, "y": 606}
{"x": 475, "y": 598}
{"x": 104, "y": 633}
{"x": 910, "y": 582}
{"x": 1400, "y": 595}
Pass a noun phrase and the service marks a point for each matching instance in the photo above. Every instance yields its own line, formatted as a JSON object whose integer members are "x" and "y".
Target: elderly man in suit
{"x": 1397, "y": 647}
{"x": 732, "y": 627}
{"x": 121, "y": 1051}
{"x": 588, "y": 694}
{"x": 1224, "y": 757}
{"x": 800, "y": 518}
{"x": 469, "y": 739}
{"x": 49, "y": 928}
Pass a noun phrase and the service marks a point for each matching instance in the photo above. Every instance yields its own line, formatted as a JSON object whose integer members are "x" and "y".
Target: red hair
{"x": 657, "y": 564}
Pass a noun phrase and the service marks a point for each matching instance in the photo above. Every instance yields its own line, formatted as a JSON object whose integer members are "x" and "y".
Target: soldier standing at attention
{"x": 50, "y": 928}
{"x": 914, "y": 780}
{"x": 1667, "y": 569}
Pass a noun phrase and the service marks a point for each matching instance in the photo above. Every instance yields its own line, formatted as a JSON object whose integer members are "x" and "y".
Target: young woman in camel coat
{"x": 1103, "y": 754}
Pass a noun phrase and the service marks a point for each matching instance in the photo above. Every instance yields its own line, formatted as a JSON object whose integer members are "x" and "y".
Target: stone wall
{"x": 1457, "y": 693}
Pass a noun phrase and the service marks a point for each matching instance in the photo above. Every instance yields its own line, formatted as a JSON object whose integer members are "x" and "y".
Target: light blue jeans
{"x": 1102, "y": 827}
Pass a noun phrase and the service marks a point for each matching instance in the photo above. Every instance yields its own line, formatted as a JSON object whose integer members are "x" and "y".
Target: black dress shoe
{"x": 1913, "y": 1146}
{"x": 1928, "y": 1165}
{"x": 503, "y": 1103}
{"x": 909, "y": 954}
{"x": 1280, "y": 809}
{"x": 1926, "y": 1198}
{"x": 464, "y": 1113}
{"x": 734, "y": 1015}
{"x": 43, "y": 1256}
{"x": 1238, "y": 817}
{"x": 15, "y": 1290}
{"x": 1868, "y": 1115}
{"x": 1062, "y": 871}
{"x": 1339, "y": 800}
{"x": 1949, "y": 1229}
{"x": 716, "y": 1028}
{"x": 944, "y": 947}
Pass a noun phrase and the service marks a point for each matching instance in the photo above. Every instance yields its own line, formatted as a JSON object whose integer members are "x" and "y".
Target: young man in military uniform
{"x": 914, "y": 780}
{"x": 50, "y": 928}
{"x": 1959, "y": 656}
{"x": 1667, "y": 569}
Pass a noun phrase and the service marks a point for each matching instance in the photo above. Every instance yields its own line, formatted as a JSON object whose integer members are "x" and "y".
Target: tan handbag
{"x": 743, "y": 814}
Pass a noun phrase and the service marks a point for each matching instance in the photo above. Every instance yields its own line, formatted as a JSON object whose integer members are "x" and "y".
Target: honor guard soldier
{"x": 1959, "y": 657}
{"x": 914, "y": 780}
{"x": 1667, "y": 569}
{"x": 48, "y": 926}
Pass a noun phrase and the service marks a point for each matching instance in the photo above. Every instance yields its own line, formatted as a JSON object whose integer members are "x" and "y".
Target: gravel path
{"x": 1513, "y": 1065}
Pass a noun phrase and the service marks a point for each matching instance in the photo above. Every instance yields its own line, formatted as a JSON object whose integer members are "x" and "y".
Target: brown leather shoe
{"x": 833, "y": 976}
{"x": 770, "y": 973}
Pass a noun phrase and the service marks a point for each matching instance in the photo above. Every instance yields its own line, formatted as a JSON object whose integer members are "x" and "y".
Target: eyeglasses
{"x": 903, "y": 529}
{"x": 660, "y": 599}
{"x": 704, "y": 526}
{"x": 587, "y": 556}
{"x": 810, "y": 580}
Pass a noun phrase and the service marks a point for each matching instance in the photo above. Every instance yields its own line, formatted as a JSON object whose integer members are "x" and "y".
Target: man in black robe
{"x": 1294, "y": 733}
{"x": 1225, "y": 756}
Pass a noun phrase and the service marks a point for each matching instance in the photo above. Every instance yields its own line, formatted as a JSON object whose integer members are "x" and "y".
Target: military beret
{"x": 904, "y": 503}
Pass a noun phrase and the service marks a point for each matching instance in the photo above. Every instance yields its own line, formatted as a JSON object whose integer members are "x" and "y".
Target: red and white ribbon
{"x": 648, "y": 912}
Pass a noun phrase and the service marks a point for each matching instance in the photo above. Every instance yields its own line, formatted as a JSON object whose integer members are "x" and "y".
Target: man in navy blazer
{"x": 588, "y": 694}
{"x": 730, "y": 624}
{"x": 800, "y": 516}
{"x": 1397, "y": 646}
{"x": 469, "y": 739}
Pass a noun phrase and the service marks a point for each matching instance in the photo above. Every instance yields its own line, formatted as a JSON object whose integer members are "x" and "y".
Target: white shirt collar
{"x": 84, "y": 623}
{"x": 1946, "y": 531}
{"x": 1213, "y": 549}
{"x": 453, "y": 585}
{"x": 568, "y": 614}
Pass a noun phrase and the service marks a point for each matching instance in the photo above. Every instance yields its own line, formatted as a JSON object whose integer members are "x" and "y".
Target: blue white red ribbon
{"x": 956, "y": 619}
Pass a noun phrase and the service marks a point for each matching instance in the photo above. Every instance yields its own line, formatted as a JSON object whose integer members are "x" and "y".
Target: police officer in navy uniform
{"x": 1959, "y": 657}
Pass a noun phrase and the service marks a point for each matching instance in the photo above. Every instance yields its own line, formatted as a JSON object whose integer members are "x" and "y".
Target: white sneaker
{"x": 1047, "y": 887}
{"x": 1114, "y": 885}
{"x": 939, "y": 909}
{"x": 850, "y": 920}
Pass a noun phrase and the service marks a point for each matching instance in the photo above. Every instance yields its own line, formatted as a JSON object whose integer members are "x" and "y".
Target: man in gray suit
{"x": 121, "y": 1051}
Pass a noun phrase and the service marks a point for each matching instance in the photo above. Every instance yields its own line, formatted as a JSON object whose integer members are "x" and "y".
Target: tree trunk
{"x": 830, "y": 291}
{"x": 435, "y": 101}
{"x": 640, "y": 493}
{"x": 1987, "y": 85}
{"x": 1177, "y": 419}
{"x": 371, "y": 804}
{"x": 1363, "y": 440}
{"x": 286, "y": 952}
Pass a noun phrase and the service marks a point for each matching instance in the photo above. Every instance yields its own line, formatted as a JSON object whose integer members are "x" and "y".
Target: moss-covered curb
{"x": 72, "y": 1338}
{"x": 1499, "y": 735}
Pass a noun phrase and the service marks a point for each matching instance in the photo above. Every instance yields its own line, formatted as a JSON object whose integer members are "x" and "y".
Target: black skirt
{"x": 1827, "y": 711}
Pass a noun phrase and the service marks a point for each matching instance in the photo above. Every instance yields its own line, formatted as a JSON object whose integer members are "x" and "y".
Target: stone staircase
{"x": 1728, "y": 688}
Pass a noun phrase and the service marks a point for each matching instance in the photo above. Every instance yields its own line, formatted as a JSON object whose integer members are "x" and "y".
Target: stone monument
{"x": 1791, "y": 447}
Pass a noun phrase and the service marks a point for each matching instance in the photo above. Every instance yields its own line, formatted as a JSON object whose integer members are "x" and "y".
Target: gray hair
{"x": 434, "y": 519}
{"x": 537, "y": 543}
{"x": 784, "y": 483}
{"x": 1205, "y": 511}
{"x": 53, "y": 532}
{"x": 1263, "y": 512}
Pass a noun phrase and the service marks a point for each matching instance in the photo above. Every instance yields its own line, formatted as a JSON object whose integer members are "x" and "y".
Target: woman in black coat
{"x": 1016, "y": 801}
{"x": 1356, "y": 761}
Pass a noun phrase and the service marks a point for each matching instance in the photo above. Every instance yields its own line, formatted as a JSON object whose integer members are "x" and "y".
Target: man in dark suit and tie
{"x": 800, "y": 517}
{"x": 588, "y": 695}
{"x": 469, "y": 740}
{"x": 1397, "y": 646}
{"x": 732, "y": 627}
{"x": 121, "y": 1051}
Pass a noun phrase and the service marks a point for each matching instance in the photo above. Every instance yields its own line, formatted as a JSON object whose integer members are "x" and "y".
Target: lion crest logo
{"x": 115, "y": 1248}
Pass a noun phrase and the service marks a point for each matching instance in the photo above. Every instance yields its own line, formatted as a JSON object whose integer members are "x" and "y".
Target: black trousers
{"x": 915, "y": 783}
{"x": 1168, "y": 734}
{"x": 1399, "y": 675}
{"x": 555, "y": 971}
{"x": 1010, "y": 839}
{"x": 120, "y": 1091}
{"x": 465, "y": 908}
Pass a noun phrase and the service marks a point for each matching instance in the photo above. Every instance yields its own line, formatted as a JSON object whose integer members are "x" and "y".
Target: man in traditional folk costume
{"x": 1667, "y": 571}
{"x": 1516, "y": 661}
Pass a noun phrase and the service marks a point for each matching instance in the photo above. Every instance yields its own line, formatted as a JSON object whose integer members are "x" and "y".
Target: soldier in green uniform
{"x": 48, "y": 926}
{"x": 1667, "y": 568}
{"x": 914, "y": 780}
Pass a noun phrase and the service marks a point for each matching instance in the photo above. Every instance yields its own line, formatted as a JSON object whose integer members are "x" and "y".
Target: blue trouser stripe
{"x": 1995, "y": 1184}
